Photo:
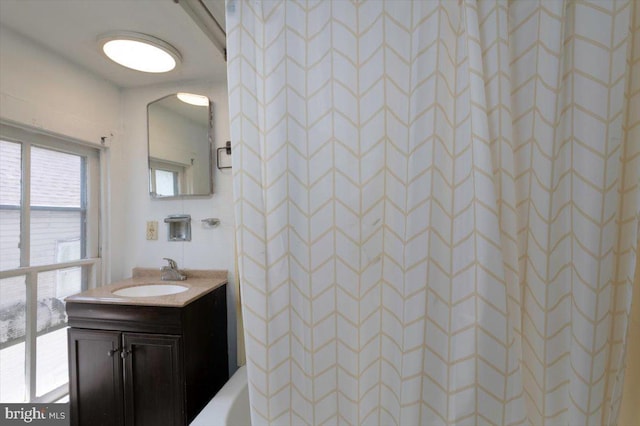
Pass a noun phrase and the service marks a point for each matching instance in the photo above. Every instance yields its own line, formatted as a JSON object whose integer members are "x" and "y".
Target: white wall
{"x": 42, "y": 91}
{"x": 132, "y": 207}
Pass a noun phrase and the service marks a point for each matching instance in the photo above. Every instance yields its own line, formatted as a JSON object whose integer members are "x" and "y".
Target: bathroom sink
{"x": 150, "y": 290}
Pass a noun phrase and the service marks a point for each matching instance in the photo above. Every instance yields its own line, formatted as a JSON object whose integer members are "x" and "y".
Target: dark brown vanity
{"x": 154, "y": 360}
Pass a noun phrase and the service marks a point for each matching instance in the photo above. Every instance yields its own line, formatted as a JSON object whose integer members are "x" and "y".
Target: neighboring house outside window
{"x": 48, "y": 250}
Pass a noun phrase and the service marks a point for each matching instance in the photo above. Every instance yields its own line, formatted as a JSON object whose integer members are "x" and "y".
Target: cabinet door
{"x": 95, "y": 382}
{"x": 153, "y": 376}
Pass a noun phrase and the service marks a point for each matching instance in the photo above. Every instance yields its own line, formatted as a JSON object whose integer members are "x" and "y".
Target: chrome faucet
{"x": 171, "y": 272}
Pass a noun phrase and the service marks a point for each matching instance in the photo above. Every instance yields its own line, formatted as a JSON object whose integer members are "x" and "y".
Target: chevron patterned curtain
{"x": 436, "y": 207}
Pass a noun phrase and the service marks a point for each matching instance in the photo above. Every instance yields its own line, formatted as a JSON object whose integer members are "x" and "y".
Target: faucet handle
{"x": 172, "y": 263}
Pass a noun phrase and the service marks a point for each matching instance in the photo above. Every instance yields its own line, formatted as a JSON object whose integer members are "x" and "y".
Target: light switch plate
{"x": 152, "y": 230}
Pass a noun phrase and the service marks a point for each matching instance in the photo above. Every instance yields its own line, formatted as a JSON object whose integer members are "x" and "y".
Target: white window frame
{"x": 167, "y": 166}
{"x": 92, "y": 260}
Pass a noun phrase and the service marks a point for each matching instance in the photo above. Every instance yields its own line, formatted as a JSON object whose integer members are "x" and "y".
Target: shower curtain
{"x": 436, "y": 208}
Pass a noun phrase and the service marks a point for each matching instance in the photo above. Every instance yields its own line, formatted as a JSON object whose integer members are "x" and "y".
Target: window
{"x": 48, "y": 250}
{"x": 166, "y": 178}
{"x": 166, "y": 182}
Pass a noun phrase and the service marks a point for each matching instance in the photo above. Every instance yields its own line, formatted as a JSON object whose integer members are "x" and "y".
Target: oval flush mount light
{"x": 193, "y": 99}
{"x": 140, "y": 52}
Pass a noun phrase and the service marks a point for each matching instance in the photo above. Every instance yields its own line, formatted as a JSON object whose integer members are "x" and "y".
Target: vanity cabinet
{"x": 96, "y": 374}
{"x": 146, "y": 365}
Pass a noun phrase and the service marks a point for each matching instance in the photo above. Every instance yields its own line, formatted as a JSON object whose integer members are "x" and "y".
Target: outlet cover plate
{"x": 152, "y": 230}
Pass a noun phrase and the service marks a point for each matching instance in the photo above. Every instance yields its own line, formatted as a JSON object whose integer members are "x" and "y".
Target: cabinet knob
{"x": 124, "y": 353}
{"x": 112, "y": 352}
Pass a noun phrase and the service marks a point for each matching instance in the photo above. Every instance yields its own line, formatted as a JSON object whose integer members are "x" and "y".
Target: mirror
{"x": 180, "y": 147}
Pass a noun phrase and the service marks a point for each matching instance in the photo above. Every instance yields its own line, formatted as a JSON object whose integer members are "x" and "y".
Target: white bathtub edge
{"x": 216, "y": 412}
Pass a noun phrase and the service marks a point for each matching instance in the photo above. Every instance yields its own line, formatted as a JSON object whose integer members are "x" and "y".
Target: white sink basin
{"x": 150, "y": 290}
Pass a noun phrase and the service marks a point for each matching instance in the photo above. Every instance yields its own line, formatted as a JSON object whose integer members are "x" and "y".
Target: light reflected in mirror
{"x": 180, "y": 148}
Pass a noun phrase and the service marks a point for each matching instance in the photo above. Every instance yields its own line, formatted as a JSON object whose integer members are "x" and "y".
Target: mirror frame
{"x": 210, "y": 142}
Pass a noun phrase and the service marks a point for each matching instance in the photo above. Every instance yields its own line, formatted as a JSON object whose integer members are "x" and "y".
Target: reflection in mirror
{"x": 179, "y": 147}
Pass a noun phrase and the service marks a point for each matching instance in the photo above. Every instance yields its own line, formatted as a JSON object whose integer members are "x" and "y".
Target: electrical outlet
{"x": 152, "y": 230}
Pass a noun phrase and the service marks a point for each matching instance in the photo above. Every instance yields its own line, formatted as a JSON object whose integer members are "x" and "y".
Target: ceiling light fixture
{"x": 193, "y": 99}
{"x": 140, "y": 52}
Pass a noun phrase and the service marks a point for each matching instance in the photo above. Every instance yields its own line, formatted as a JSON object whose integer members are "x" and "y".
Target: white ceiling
{"x": 70, "y": 28}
